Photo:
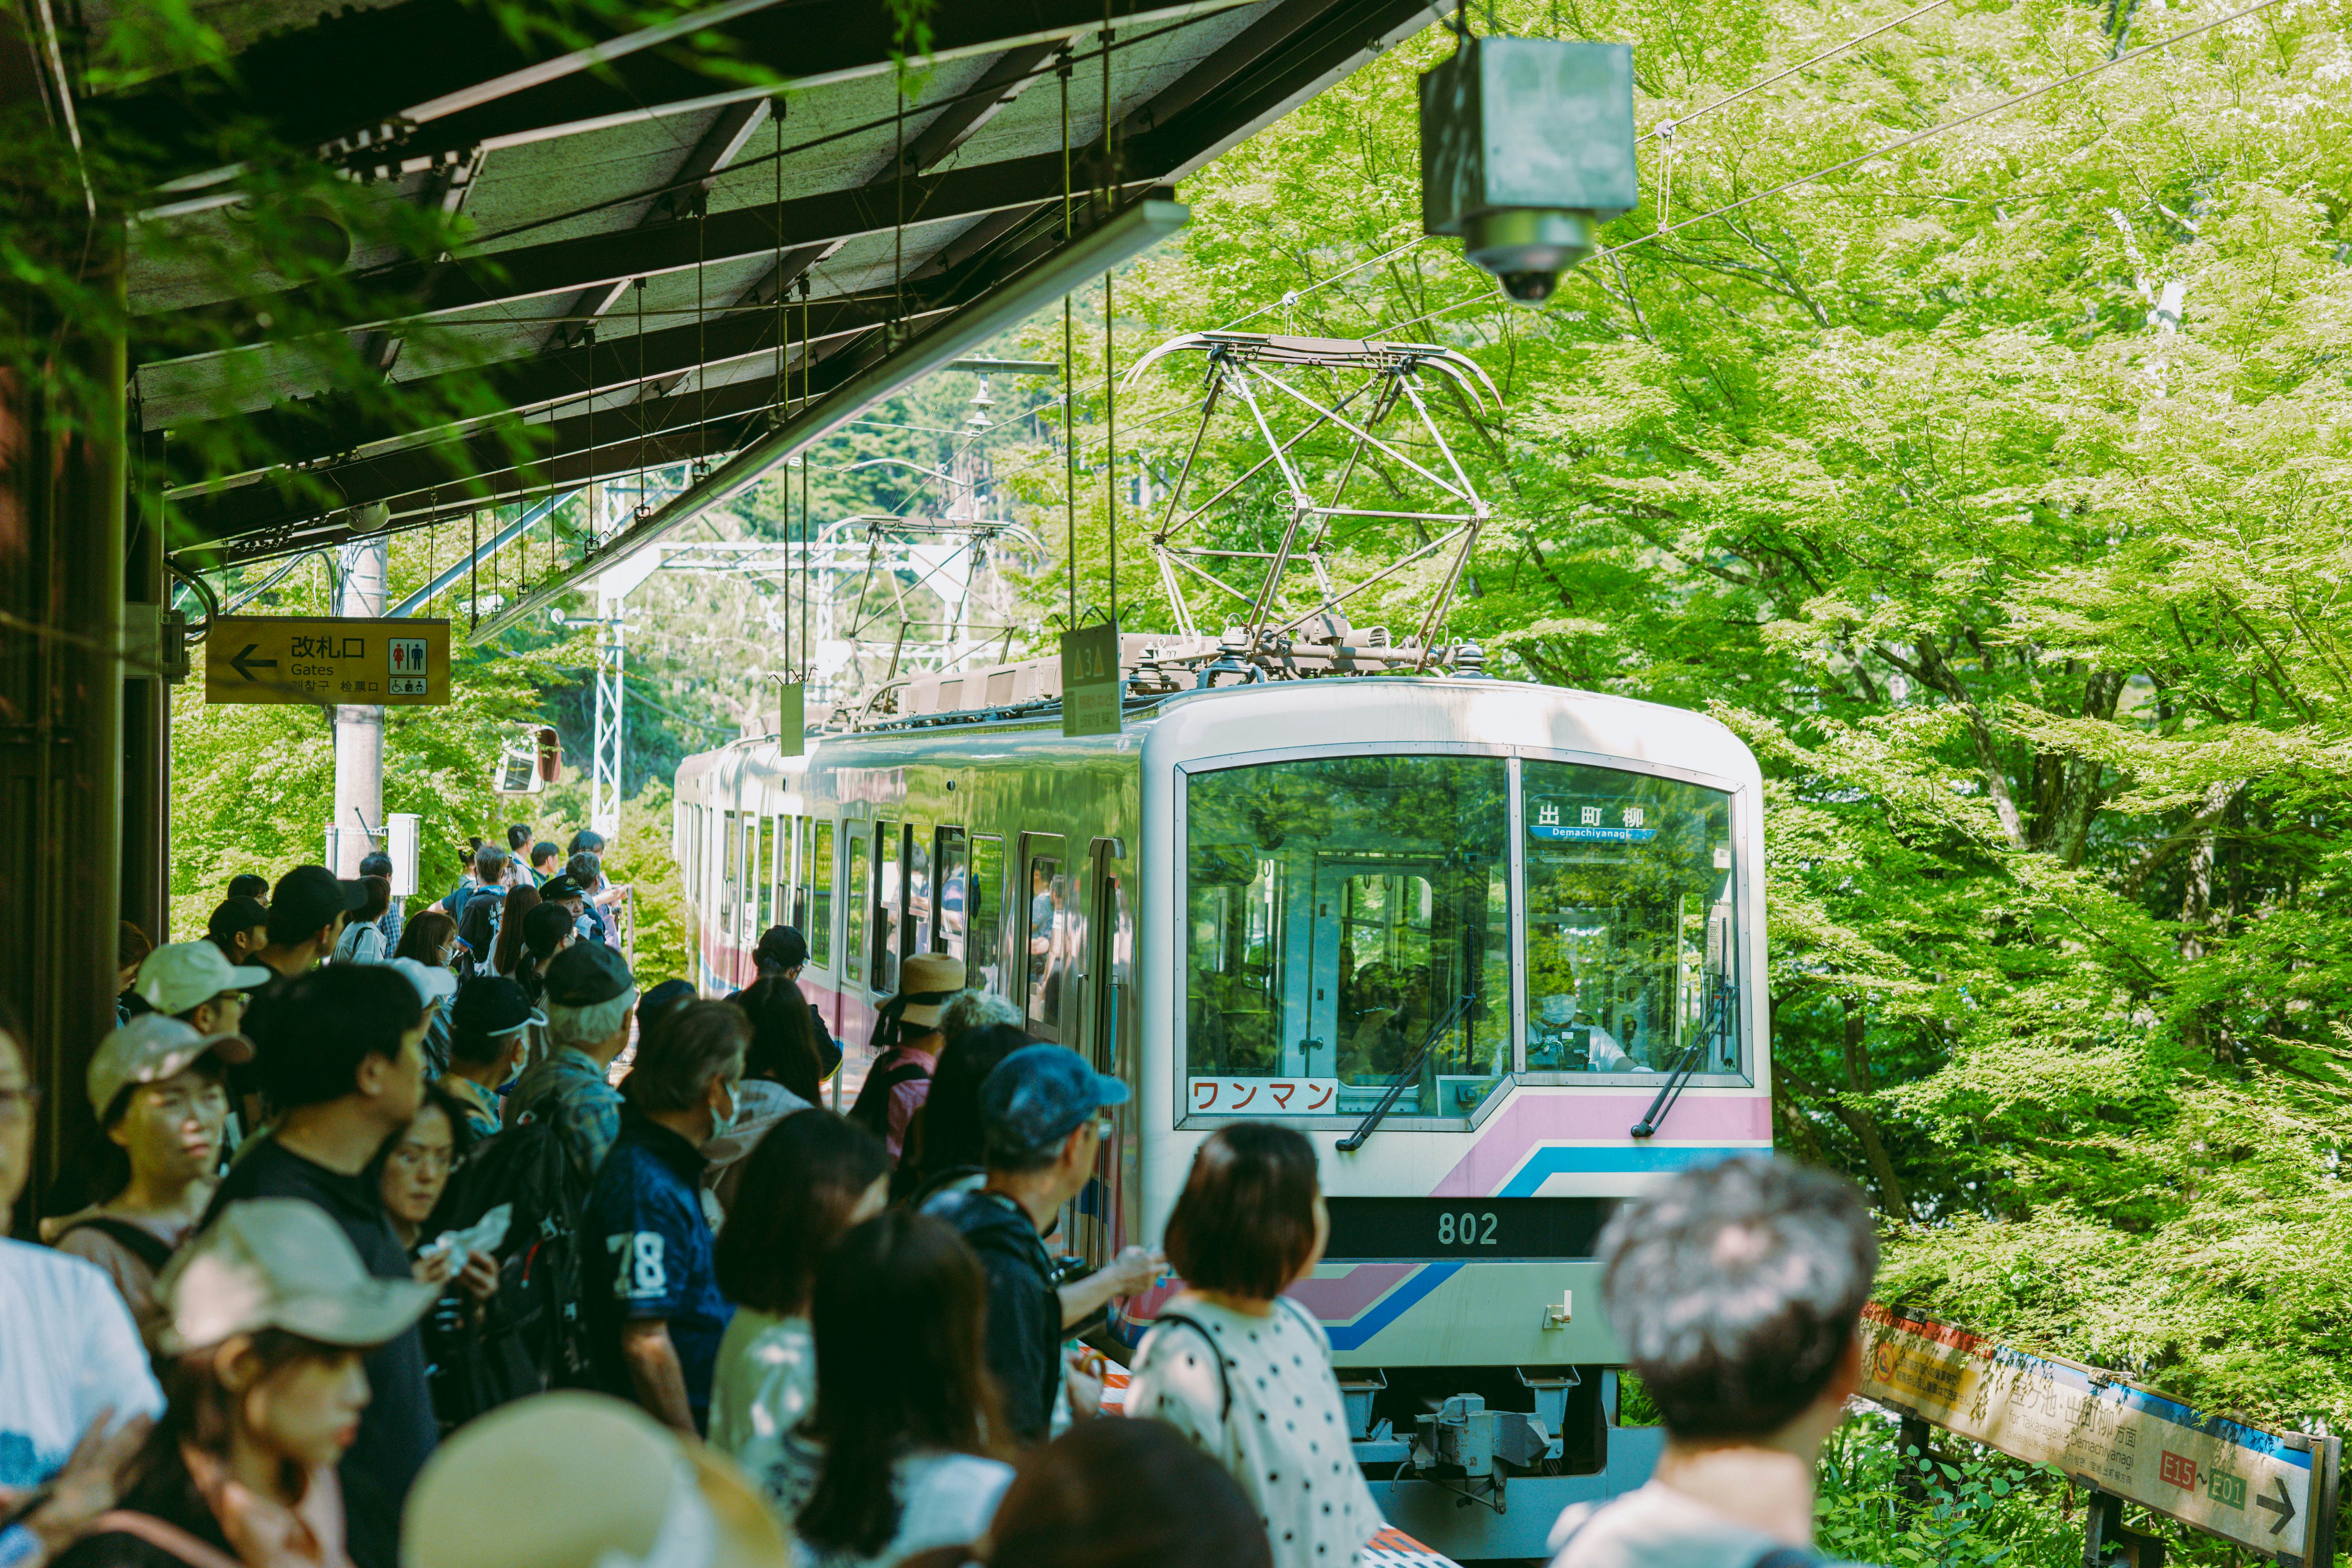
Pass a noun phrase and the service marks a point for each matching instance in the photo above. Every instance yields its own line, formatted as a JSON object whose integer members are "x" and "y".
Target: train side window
{"x": 1049, "y": 928}
{"x": 816, "y": 883}
{"x": 888, "y": 896}
{"x": 919, "y": 925}
{"x": 983, "y": 901}
{"x": 734, "y": 853}
{"x": 948, "y": 867}
{"x": 852, "y": 937}
{"x": 767, "y": 864}
{"x": 1631, "y": 924}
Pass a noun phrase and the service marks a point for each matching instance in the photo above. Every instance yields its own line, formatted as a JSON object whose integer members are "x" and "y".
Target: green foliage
{"x": 1985, "y": 489}
{"x": 1972, "y": 1511}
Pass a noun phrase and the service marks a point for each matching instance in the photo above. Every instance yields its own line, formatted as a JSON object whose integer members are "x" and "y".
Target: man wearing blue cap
{"x": 1041, "y": 1115}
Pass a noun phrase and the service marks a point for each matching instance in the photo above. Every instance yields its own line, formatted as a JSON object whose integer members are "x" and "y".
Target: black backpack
{"x": 136, "y": 1239}
{"x": 531, "y": 1336}
{"x": 893, "y": 1068}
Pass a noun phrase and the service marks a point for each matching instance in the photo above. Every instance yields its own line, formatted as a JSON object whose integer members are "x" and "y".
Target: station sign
{"x": 2273, "y": 1492}
{"x": 1090, "y": 681}
{"x": 327, "y": 659}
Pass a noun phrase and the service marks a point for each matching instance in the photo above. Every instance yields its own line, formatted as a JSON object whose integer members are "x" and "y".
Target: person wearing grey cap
{"x": 269, "y": 1316}
{"x": 1041, "y": 1117}
{"x": 589, "y": 998}
{"x": 159, "y": 1086}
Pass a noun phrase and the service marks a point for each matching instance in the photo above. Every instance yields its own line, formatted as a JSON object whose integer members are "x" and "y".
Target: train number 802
{"x": 1466, "y": 1229}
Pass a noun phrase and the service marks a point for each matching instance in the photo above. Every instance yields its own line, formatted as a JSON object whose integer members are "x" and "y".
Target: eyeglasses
{"x": 17, "y": 1103}
{"x": 415, "y": 1158}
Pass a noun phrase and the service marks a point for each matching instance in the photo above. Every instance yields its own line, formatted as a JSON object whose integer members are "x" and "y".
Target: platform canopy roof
{"x": 580, "y": 177}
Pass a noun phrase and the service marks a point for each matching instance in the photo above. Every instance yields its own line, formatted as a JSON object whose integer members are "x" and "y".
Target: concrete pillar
{"x": 359, "y": 728}
{"x": 61, "y": 576}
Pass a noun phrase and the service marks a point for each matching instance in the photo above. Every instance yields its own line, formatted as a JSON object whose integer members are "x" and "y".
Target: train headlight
{"x": 1527, "y": 149}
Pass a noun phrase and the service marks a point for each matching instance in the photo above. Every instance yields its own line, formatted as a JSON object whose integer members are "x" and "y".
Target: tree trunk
{"x": 1857, "y": 1117}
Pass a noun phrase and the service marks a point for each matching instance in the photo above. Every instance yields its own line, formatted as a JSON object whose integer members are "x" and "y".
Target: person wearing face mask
{"x": 160, "y": 1092}
{"x": 489, "y": 1031}
{"x": 466, "y": 1376}
{"x": 655, "y": 1315}
{"x": 269, "y": 1316}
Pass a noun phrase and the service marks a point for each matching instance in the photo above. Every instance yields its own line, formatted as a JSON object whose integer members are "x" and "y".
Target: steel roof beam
{"x": 413, "y": 289}
{"x": 314, "y": 432}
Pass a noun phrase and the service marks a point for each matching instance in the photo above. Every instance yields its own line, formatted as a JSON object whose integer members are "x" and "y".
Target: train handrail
{"x": 1412, "y": 1068}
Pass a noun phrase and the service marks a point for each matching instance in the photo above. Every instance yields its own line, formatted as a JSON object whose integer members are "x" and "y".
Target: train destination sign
{"x": 2274, "y": 1493}
{"x": 327, "y": 659}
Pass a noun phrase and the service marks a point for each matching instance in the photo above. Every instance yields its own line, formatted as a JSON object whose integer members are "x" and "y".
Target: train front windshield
{"x": 1350, "y": 925}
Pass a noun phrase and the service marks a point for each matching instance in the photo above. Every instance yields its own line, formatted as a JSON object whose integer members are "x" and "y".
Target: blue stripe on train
{"x": 1555, "y": 1161}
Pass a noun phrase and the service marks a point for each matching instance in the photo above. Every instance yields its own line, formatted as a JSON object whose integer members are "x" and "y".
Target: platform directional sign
{"x": 2273, "y": 1491}
{"x": 326, "y": 659}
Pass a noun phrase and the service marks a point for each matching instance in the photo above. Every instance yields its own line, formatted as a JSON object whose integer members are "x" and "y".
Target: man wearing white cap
{"x": 195, "y": 983}
{"x": 160, "y": 1091}
{"x": 268, "y": 1316}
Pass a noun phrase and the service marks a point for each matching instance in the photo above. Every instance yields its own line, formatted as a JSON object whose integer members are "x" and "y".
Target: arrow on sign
{"x": 2284, "y": 1507}
{"x": 245, "y": 663}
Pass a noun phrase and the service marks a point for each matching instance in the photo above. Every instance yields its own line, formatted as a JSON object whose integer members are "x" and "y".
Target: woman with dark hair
{"x": 782, "y": 953}
{"x": 546, "y": 932}
{"x": 949, "y": 1155}
{"x": 1116, "y": 1494}
{"x": 1240, "y": 1369}
{"x": 414, "y": 1172}
{"x": 363, "y": 938}
{"x": 508, "y": 954}
{"x": 894, "y": 1459}
{"x": 269, "y": 1314}
{"x": 810, "y": 1179}
{"x": 431, "y": 938}
{"x": 784, "y": 1049}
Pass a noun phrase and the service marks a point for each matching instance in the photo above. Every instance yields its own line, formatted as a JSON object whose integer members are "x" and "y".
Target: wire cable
{"x": 1663, "y": 126}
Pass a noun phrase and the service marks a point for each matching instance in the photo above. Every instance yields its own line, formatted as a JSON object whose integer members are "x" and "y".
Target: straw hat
{"x": 581, "y": 1480}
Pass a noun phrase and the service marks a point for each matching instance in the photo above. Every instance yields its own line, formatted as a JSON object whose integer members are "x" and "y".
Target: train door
{"x": 1047, "y": 925}
{"x": 1109, "y": 1210}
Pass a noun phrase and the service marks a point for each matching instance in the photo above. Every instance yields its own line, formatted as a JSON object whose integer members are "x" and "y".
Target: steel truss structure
{"x": 1242, "y": 366}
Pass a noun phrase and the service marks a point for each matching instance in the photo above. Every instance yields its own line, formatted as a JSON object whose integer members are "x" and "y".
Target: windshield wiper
{"x": 1411, "y": 1070}
{"x": 1718, "y": 1025}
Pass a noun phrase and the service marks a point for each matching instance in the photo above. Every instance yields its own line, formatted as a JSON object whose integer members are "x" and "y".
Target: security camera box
{"x": 1527, "y": 122}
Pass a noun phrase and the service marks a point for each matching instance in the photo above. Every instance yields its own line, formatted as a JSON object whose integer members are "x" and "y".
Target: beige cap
{"x": 608, "y": 1487}
{"x": 280, "y": 1263}
{"x": 930, "y": 974}
{"x": 151, "y": 1049}
{"x": 183, "y": 974}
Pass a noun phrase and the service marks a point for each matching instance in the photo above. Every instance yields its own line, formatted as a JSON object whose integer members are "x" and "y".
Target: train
{"x": 1497, "y": 948}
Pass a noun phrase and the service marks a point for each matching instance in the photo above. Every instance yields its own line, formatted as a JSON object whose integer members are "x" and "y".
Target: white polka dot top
{"x": 1283, "y": 1432}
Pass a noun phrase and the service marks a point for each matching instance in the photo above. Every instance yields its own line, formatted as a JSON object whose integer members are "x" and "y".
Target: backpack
{"x": 531, "y": 1336}
{"x": 872, "y": 1110}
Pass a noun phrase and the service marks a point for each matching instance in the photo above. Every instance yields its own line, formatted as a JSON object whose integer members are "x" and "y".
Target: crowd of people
{"x": 450, "y": 1244}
